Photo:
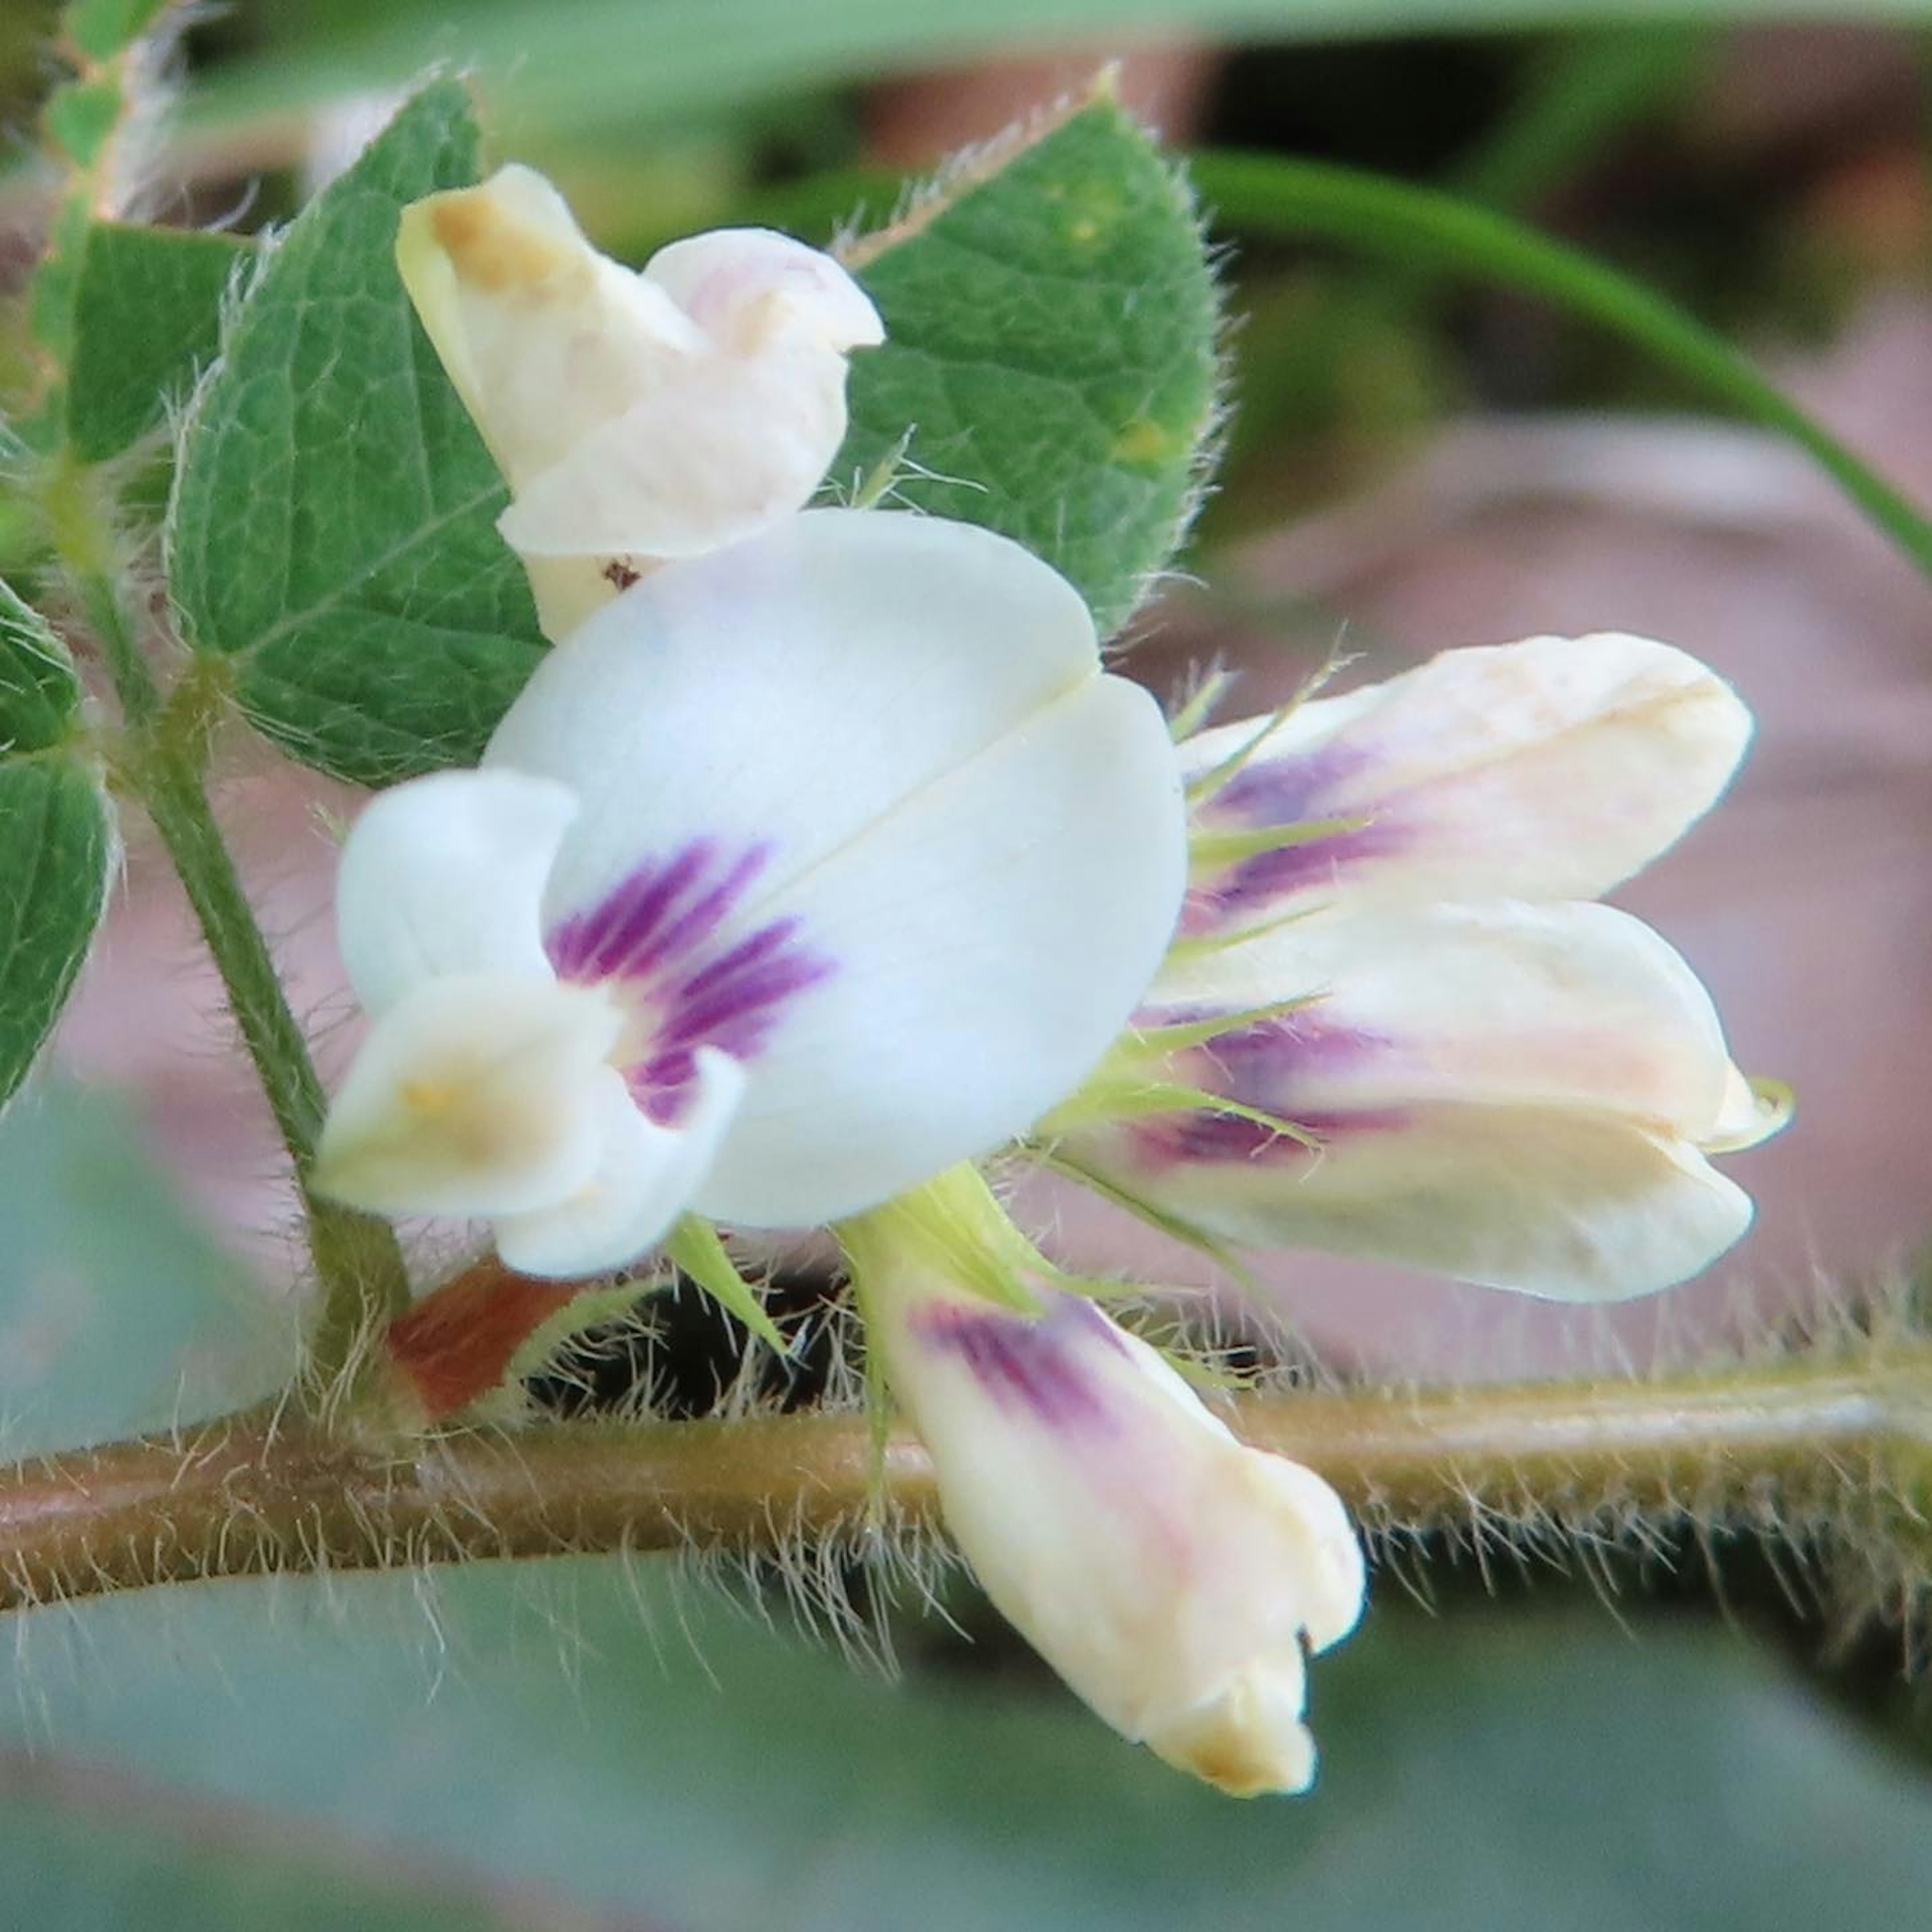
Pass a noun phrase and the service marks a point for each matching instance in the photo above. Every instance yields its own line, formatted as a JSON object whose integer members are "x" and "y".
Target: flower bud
{"x": 1553, "y": 768}
{"x": 1176, "y": 1578}
{"x": 635, "y": 416}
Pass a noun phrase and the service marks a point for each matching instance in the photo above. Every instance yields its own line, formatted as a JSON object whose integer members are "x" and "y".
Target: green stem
{"x": 1584, "y": 92}
{"x": 1266, "y": 195}
{"x": 357, "y": 1263}
{"x": 1831, "y": 1447}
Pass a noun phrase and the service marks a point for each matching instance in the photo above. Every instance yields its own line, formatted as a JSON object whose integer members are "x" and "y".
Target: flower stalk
{"x": 162, "y": 760}
{"x": 1830, "y": 1443}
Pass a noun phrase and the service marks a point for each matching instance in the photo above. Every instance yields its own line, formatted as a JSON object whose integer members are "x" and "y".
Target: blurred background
{"x": 1417, "y": 461}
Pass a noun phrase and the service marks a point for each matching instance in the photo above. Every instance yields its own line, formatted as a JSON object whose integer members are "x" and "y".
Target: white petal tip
{"x": 1752, "y": 1110}
{"x": 642, "y": 1182}
{"x": 750, "y": 287}
{"x": 473, "y": 1095}
{"x": 1250, "y": 1741}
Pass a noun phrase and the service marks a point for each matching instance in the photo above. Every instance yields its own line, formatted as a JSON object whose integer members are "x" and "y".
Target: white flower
{"x": 1507, "y": 1085}
{"x": 1175, "y": 1578}
{"x": 802, "y": 871}
{"x": 636, "y": 417}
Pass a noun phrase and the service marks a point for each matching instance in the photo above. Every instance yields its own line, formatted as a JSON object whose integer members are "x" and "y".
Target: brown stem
{"x": 1795, "y": 1444}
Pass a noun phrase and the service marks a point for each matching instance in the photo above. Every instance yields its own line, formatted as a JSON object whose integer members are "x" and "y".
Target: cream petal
{"x": 544, "y": 339}
{"x": 860, "y": 809}
{"x": 986, "y": 941}
{"x": 568, "y": 590}
{"x": 1566, "y": 1206}
{"x": 474, "y": 1095}
{"x": 699, "y": 463}
{"x": 1574, "y": 1005}
{"x": 1749, "y": 1115}
{"x": 1513, "y": 1095}
{"x": 635, "y": 417}
{"x": 642, "y": 1183}
{"x": 1248, "y": 1739}
{"x": 445, "y": 875}
{"x": 1170, "y": 1574}
{"x": 1552, "y": 769}
{"x": 748, "y": 287}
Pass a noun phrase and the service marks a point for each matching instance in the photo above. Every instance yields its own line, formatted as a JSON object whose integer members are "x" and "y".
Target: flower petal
{"x": 748, "y": 287}
{"x": 445, "y": 875}
{"x": 635, "y": 417}
{"x": 474, "y": 1094}
{"x": 1512, "y": 1095}
{"x": 1170, "y": 1574}
{"x": 788, "y": 693}
{"x": 1568, "y": 1206}
{"x": 1552, "y": 769}
{"x": 701, "y": 462}
{"x": 990, "y": 937}
{"x": 1580, "y": 1006}
{"x": 545, "y": 338}
{"x": 860, "y": 809}
{"x": 642, "y": 1183}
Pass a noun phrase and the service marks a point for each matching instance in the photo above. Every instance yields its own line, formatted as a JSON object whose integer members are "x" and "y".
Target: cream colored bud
{"x": 636, "y": 417}
{"x": 1175, "y": 1578}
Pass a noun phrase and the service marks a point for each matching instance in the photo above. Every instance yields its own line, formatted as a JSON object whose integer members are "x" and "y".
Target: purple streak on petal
{"x": 697, "y": 921}
{"x": 654, "y": 938}
{"x": 618, "y": 934}
{"x": 1167, "y": 1141}
{"x": 739, "y": 959}
{"x": 1264, "y": 1065}
{"x": 1252, "y": 883}
{"x": 1290, "y": 790}
{"x": 1294, "y": 785}
{"x": 1034, "y": 1366}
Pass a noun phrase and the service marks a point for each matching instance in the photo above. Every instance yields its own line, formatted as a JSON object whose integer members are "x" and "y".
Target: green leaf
{"x": 102, "y": 29}
{"x": 586, "y": 1727}
{"x": 40, "y": 693}
{"x": 82, "y": 116}
{"x": 333, "y": 528}
{"x": 56, "y": 852}
{"x": 1050, "y": 336}
{"x": 1052, "y": 333}
{"x": 85, "y": 1849}
{"x": 50, "y": 296}
{"x": 119, "y": 1311}
{"x": 147, "y": 319}
{"x": 56, "y": 838}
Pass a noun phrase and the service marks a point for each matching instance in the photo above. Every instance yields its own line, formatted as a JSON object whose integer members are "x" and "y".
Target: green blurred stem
{"x": 357, "y": 1264}
{"x": 1264, "y": 194}
{"x": 1586, "y": 90}
{"x": 1822, "y": 1444}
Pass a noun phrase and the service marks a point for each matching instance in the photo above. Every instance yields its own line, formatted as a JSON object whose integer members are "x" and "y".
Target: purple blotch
{"x": 1290, "y": 791}
{"x": 655, "y": 934}
{"x": 1029, "y": 1366}
{"x": 1296, "y": 785}
{"x": 1261, "y": 1065}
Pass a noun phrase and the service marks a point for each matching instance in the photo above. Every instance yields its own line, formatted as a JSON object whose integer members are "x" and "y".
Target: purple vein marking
{"x": 1261, "y": 1066}
{"x": 1282, "y": 791}
{"x": 1032, "y": 1366}
{"x": 655, "y": 934}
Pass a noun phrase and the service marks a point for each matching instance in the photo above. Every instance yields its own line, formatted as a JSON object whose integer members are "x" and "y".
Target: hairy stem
{"x": 357, "y": 1261}
{"x": 1839, "y": 1444}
